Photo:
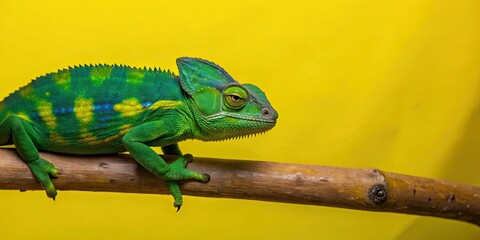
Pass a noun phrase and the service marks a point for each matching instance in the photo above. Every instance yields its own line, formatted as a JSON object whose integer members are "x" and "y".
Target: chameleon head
{"x": 224, "y": 108}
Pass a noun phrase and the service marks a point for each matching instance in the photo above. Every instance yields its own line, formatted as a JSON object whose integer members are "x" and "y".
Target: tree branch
{"x": 365, "y": 189}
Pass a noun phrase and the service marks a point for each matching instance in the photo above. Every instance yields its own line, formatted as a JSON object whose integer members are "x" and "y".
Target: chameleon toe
{"x": 53, "y": 172}
{"x": 206, "y": 178}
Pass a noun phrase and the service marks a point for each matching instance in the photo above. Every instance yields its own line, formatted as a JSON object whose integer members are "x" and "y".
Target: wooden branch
{"x": 364, "y": 189}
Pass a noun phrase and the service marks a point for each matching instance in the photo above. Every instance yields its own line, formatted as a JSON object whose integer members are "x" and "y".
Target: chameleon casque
{"x": 101, "y": 109}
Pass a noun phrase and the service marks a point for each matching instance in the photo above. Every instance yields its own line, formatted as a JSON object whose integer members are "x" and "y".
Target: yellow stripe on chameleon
{"x": 123, "y": 130}
{"x": 57, "y": 139}
{"x": 88, "y": 137}
{"x": 100, "y": 73}
{"x": 63, "y": 78}
{"x": 83, "y": 109}
{"x": 128, "y": 107}
{"x": 165, "y": 104}
{"x": 24, "y": 116}
{"x": 135, "y": 76}
{"x": 45, "y": 111}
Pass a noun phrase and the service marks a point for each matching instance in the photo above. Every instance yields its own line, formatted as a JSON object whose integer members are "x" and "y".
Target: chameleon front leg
{"x": 21, "y": 132}
{"x": 135, "y": 141}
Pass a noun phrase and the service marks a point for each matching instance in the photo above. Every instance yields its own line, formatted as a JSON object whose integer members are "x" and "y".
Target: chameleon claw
{"x": 177, "y": 195}
{"x": 53, "y": 199}
{"x": 178, "y": 205}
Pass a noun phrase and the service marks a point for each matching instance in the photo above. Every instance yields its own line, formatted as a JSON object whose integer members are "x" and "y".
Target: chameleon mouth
{"x": 242, "y": 117}
{"x": 227, "y": 126}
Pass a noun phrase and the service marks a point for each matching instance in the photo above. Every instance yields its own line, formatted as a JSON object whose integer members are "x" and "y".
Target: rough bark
{"x": 364, "y": 189}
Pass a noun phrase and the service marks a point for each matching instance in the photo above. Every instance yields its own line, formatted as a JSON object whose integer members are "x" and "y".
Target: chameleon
{"x": 106, "y": 109}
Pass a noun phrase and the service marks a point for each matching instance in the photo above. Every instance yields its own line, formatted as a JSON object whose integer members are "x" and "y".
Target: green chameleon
{"x": 100, "y": 109}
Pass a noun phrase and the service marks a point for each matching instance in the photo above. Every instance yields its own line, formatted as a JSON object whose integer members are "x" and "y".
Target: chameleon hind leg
{"x": 20, "y": 132}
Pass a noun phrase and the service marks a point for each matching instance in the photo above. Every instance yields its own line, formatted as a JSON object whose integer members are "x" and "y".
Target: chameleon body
{"x": 101, "y": 109}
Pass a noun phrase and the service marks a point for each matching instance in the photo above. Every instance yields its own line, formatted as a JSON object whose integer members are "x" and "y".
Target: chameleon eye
{"x": 235, "y": 97}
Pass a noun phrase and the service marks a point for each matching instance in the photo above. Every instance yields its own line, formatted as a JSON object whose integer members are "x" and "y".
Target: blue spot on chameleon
{"x": 146, "y": 104}
{"x": 60, "y": 111}
{"x": 105, "y": 106}
{"x": 108, "y": 106}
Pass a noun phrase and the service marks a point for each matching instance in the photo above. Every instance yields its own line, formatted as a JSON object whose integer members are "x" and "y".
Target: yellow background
{"x": 386, "y": 84}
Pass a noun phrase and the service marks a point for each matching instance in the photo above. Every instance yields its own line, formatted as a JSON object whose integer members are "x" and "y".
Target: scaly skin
{"x": 109, "y": 109}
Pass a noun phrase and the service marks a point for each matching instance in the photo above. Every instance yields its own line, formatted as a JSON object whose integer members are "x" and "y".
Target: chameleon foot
{"x": 179, "y": 172}
{"x": 43, "y": 170}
